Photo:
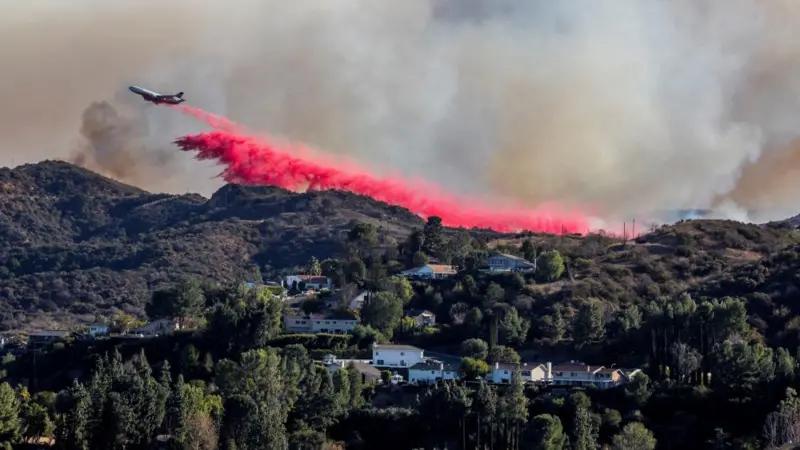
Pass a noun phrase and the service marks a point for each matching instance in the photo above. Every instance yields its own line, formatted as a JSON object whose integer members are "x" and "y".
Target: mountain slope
{"x": 74, "y": 244}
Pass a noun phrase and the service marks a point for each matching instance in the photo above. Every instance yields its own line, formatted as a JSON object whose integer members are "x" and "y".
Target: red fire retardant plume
{"x": 262, "y": 161}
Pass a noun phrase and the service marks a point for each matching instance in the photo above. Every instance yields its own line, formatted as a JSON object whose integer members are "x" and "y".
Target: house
{"x": 160, "y": 327}
{"x": 503, "y": 262}
{"x": 431, "y": 370}
{"x": 529, "y": 372}
{"x": 305, "y": 282}
{"x": 369, "y": 374}
{"x": 318, "y": 323}
{"x": 43, "y": 338}
{"x": 390, "y": 355}
{"x": 579, "y": 374}
{"x": 357, "y": 302}
{"x": 422, "y": 318}
{"x": 97, "y": 329}
{"x": 430, "y": 272}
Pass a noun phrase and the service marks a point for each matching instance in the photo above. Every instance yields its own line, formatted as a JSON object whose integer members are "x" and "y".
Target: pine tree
{"x": 73, "y": 430}
{"x": 513, "y": 409}
{"x": 9, "y": 416}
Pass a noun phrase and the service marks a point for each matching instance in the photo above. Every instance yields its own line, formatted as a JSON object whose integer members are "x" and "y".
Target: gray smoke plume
{"x": 617, "y": 107}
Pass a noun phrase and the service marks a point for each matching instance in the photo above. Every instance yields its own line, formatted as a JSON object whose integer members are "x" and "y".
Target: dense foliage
{"x": 706, "y": 308}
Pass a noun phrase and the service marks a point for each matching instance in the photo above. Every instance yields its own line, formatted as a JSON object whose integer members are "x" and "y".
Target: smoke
{"x": 627, "y": 107}
{"x": 263, "y": 161}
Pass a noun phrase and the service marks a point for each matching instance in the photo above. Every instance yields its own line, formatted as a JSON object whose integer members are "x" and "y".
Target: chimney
{"x": 549, "y": 375}
{"x": 496, "y": 365}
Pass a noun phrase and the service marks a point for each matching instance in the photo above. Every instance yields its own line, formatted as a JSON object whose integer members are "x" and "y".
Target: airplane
{"x": 157, "y": 98}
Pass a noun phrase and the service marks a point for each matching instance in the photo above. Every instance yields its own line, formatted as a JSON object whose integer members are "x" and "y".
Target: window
{"x": 380, "y": 362}
{"x": 402, "y": 354}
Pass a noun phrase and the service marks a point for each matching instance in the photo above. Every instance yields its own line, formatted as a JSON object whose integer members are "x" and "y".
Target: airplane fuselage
{"x": 157, "y": 98}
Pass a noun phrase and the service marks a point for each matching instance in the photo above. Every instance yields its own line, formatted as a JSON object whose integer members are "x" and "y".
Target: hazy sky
{"x": 620, "y": 107}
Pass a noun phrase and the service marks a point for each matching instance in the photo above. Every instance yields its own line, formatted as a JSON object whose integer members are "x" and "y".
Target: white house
{"x": 430, "y": 272}
{"x": 579, "y": 374}
{"x": 158, "y": 327}
{"x": 430, "y": 371}
{"x": 368, "y": 373}
{"x": 503, "y": 262}
{"x": 318, "y": 323}
{"x": 529, "y": 372}
{"x": 304, "y": 282}
{"x": 390, "y": 355}
{"x": 97, "y": 329}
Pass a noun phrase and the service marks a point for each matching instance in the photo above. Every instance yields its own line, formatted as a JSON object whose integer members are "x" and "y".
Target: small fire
{"x": 258, "y": 160}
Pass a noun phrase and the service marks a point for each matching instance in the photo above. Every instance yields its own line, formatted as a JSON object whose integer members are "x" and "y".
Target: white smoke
{"x": 621, "y": 107}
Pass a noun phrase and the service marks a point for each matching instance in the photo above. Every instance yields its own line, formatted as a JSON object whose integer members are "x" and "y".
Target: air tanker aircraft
{"x": 157, "y": 98}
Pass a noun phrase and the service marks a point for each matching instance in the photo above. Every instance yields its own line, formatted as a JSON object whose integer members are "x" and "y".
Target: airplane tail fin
{"x": 179, "y": 94}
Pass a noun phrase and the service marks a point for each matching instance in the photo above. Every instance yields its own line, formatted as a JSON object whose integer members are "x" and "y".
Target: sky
{"x": 617, "y": 108}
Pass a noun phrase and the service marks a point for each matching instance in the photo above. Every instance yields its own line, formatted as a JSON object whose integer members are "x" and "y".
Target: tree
{"x": 399, "y": 286}
{"x": 473, "y": 368}
{"x": 782, "y": 426}
{"x": 458, "y": 311}
{"x": 494, "y": 294}
{"x": 383, "y": 311}
{"x": 741, "y": 366}
{"x": 314, "y": 266}
{"x": 182, "y": 302}
{"x": 124, "y": 322}
{"x": 634, "y": 436}
{"x": 685, "y": 360}
{"x": 550, "y": 266}
{"x": 553, "y": 325}
{"x": 434, "y": 237}
{"x": 639, "y": 388}
{"x": 356, "y": 387}
{"x": 528, "y": 250}
{"x": 503, "y": 354}
{"x": 475, "y": 348}
{"x": 256, "y": 406}
{"x": 585, "y": 429}
{"x": 485, "y": 408}
{"x": 9, "y": 416}
{"x": 73, "y": 430}
{"x": 35, "y": 421}
{"x": 513, "y": 409}
{"x": 589, "y": 325}
{"x": 785, "y": 365}
{"x": 513, "y": 328}
{"x": 548, "y": 433}
{"x": 473, "y": 318}
{"x": 363, "y": 236}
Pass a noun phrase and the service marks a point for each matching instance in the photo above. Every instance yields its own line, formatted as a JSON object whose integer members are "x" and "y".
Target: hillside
{"x": 74, "y": 244}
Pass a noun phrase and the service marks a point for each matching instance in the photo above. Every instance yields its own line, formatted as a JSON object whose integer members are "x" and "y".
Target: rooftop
{"x": 434, "y": 364}
{"x": 410, "y": 348}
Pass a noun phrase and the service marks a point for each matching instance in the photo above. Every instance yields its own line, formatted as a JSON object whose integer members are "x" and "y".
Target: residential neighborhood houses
{"x": 424, "y": 370}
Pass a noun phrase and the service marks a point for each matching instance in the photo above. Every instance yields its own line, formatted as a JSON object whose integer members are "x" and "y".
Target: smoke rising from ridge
{"x": 627, "y": 106}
